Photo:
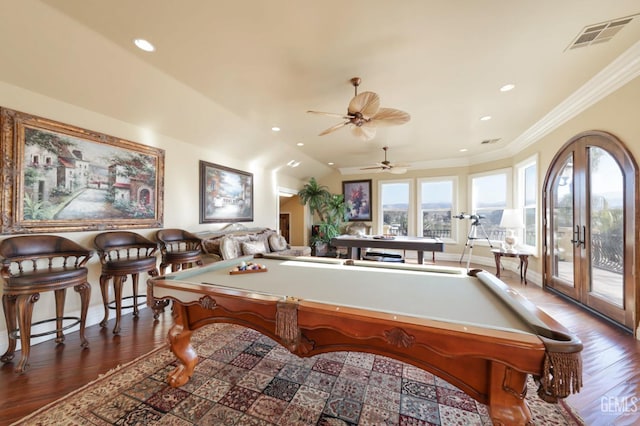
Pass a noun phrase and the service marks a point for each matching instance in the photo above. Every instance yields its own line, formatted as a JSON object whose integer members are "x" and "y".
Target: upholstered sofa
{"x": 358, "y": 228}
{"x": 236, "y": 240}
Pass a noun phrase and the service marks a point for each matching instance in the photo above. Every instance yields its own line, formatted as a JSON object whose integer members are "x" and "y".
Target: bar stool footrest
{"x": 112, "y": 304}
{"x": 76, "y": 320}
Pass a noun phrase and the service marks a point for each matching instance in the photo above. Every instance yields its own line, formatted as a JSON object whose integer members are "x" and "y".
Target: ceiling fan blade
{"x": 330, "y": 114}
{"x": 333, "y": 128}
{"x": 372, "y": 168}
{"x": 366, "y": 103}
{"x": 390, "y": 117}
{"x": 364, "y": 133}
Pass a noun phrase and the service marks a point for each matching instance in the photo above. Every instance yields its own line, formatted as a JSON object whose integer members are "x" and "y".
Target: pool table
{"x": 355, "y": 244}
{"x": 470, "y": 329}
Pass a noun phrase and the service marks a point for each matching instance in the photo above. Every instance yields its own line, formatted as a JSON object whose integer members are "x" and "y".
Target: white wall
{"x": 181, "y": 193}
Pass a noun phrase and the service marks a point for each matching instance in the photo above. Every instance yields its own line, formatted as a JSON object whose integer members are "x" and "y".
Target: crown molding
{"x": 622, "y": 70}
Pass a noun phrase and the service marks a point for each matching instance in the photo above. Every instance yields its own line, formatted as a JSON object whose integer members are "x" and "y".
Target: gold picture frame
{"x": 57, "y": 177}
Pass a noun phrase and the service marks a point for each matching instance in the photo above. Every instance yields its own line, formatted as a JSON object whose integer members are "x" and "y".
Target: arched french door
{"x": 590, "y": 224}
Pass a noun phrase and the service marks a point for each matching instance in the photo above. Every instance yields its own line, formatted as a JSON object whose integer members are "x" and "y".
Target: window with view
{"x": 394, "y": 199}
{"x": 527, "y": 199}
{"x": 489, "y": 197}
{"x": 436, "y": 207}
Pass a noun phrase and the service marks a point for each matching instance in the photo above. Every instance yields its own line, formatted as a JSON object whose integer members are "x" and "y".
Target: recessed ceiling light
{"x": 464, "y": 150}
{"x": 300, "y": 144}
{"x": 507, "y": 87}
{"x": 331, "y": 163}
{"x": 275, "y": 128}
{"x": 144, "y": 45}
{"x": 485, "y": 118}
{"x": 293, "y": 163}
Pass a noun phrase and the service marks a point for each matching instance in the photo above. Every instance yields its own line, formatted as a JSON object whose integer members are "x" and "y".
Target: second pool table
{"x": 472, "y": 330}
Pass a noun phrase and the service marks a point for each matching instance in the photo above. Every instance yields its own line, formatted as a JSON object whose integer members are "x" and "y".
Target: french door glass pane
{"x": 606, "y": 226}
{"x": 563, "y": 225}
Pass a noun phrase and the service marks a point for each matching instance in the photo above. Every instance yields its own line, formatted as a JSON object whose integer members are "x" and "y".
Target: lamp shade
{"x": 512, "y": 219}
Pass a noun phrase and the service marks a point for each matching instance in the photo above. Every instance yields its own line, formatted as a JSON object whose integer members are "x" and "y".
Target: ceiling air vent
{"x": 599, "y": 33}
{"x": 489, "y": 141}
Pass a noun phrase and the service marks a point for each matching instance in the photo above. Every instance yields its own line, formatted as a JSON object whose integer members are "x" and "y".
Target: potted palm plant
{"x": 330, "y": 210}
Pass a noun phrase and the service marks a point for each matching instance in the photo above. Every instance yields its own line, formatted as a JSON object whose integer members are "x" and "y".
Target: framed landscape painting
{"x": 226, "y": 194}
{"x": 60, "y": 178}
{"x": 357, "y": 196}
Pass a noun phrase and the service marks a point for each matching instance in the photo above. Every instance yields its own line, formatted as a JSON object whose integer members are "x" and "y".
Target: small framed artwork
{"x": 226, "y": 194}
{"x": 61, "y": 178}
{"x": 357, "y": 196}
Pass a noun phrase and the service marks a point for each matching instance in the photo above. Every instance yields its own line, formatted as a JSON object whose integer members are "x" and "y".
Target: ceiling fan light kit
{"x": 364, "y": 115}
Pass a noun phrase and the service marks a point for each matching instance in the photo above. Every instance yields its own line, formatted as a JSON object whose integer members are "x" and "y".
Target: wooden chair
{"x": 33, "y": 264}
{"x": 180, "y": 249}
{"x": 124, "y": 253}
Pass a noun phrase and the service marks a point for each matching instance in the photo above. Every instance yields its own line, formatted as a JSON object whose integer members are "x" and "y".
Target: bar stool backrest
{"x": 33, "y": 253}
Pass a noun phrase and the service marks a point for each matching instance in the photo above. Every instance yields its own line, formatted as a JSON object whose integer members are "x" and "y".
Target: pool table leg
{"x": 507, "y": 405}
{"x": 354, "y": 252}
{"x": 180, "y": 342}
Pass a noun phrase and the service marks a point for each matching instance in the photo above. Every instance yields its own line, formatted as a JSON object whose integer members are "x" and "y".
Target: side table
{"x": 524, "y": 261}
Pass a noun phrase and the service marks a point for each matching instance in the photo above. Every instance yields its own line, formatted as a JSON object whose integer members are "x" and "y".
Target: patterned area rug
{"x": 245, "y": 378}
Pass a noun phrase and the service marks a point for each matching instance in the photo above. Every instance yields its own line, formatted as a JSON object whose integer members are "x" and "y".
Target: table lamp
{"x": 511, "y": 221}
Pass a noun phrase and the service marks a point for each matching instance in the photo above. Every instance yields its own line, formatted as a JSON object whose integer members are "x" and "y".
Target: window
{"x": 394, "y": 200}
{"x": 527, "y": 200}
{"x": 436, "y": 205}
{"x": 490, "y": 195}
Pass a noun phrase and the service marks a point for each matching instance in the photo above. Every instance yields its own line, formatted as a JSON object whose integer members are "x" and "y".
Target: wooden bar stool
{"x": 124, "y": 253}
{"x": 33, "y": 264}
{"x": 180, "y": 249}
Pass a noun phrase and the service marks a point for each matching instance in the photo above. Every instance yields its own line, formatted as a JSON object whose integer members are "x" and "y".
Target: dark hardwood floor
{"x": 611, "y": 361}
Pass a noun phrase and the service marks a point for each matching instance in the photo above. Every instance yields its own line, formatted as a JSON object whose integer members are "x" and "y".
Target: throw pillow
{"x": 228, "y": 248}
{"x": 253, "y": 247}
{"x": 212, "y": 246}
{"x": 277, "y": 242}
{"x": 263, "y": 237}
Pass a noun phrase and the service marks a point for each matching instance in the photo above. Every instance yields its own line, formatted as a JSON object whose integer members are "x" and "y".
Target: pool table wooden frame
{"x": 490, "y": 365}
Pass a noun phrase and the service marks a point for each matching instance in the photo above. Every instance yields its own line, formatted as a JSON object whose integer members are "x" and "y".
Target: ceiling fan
{"x": 387, "y": 166}
{"x": 364, "y": 114}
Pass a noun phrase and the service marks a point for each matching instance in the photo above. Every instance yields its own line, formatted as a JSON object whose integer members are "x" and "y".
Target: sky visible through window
{"x": 395, "y": 193}
{"x": 437, "y": 193}
{"x": 490, "y": 191}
